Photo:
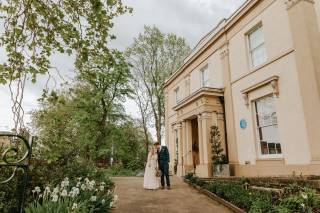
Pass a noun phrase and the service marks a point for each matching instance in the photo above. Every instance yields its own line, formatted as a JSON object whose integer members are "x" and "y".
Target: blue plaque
{"x": 243, "y": 124}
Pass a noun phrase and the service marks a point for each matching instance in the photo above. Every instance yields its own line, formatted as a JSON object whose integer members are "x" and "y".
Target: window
{"x": 267, "y": 126}
{"x": 177, "y": 95}
{"x": 204, "y": 76}
{"x": 257, "y": 48}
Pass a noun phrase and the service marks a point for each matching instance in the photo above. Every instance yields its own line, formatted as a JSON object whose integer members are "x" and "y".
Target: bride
{"x": 151, "y": 181}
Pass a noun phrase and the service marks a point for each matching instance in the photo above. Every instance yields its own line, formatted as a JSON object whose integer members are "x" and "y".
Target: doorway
{"x": 195, "y": 143}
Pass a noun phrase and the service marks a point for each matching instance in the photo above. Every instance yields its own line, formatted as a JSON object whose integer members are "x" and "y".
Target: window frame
{"x": 204, "y": 83}
{"x": 177, "y": 97}
{"x": 258, "y": 127}
{"x": 262, "y": 45}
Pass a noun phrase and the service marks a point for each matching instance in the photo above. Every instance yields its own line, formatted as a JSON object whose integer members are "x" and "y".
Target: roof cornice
{"x": 229, "y": 23}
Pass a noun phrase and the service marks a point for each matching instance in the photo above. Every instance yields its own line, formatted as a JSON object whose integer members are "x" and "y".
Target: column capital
{"x": 292, "y": 3}
{"x": 224, "y": 52}
{"x": 207, "y": 115}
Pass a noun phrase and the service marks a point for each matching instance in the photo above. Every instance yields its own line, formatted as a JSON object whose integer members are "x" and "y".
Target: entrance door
{"x": 195, "y": 142}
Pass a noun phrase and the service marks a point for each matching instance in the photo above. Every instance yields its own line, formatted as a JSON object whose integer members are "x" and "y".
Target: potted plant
{"x": 219, "y": 160}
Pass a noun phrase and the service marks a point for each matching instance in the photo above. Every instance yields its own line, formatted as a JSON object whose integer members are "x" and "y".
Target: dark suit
{"x": 164, "y": 159}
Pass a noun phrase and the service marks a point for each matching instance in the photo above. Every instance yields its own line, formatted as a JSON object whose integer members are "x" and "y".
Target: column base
{"x": 183, "y": 170}
{"x": 204, "y": 170}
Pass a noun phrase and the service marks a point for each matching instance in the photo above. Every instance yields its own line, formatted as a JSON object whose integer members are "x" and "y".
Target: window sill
{"x": 270, "y": 158}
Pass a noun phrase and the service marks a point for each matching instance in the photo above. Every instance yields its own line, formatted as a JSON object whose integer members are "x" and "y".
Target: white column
{"x": 189, "y": 143}
{"x": 200, "y": 139}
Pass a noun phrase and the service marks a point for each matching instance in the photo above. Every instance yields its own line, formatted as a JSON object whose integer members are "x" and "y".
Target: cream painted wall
{"x": 276, "y": 33}
{"x": 291, "y": 124}
{"x": 317, "y": 5}
{"x": 216, "y": 81}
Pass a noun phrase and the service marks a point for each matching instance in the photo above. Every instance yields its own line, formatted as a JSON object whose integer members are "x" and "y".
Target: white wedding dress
{"x": 151, "y": 181}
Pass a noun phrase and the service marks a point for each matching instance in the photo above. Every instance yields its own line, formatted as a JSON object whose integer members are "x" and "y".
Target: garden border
{"x": 215, "y": 198}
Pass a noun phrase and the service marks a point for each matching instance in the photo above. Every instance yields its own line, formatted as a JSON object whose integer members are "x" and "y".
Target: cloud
{"x": 191, "y": 19}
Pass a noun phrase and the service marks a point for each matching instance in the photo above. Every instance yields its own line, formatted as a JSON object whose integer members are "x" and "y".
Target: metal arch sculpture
{"x": 22, "y": 162}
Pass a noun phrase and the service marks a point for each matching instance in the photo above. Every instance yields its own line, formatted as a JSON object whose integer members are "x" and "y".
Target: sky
{"x": 191, "y": 19}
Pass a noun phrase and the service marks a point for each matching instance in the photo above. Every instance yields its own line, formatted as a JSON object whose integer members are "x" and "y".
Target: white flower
{"x": 111, "y": 204}
{"x": 304, "y": 196}
{"x": 65, "y": 182}
{"x": 37, "y": 189}
{"x": 55, "y": 190}
{"x": 64, "y": 193}
{"x": 303, "y": 205}
{"x": 74, "y": 192}
{"x": 78, "y": 184}
{"x": 101, "y": 188}
{"x": 93, "y": 198}
{"x": 103, "y": 201}
{"x": 46, "y": 191}
{"x": 74, "y": 206}
{"x": 83, "y": 187}
{"x": 103, "y": 183}
{"x": 54, "y": 198}
{"x": 109, "y": 192}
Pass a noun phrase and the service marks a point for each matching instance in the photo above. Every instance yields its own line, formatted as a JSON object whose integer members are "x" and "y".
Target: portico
{"x": 195, "y": 115}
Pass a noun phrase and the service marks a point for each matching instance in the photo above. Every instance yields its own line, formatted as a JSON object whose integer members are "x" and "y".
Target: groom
{"x": 163, "y": 159}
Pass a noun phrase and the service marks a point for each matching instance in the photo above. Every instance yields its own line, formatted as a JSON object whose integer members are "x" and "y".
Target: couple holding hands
{"x": 157, "y": 166}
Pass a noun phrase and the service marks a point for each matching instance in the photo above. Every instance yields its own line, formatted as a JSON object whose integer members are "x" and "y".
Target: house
{"x": 257, "y": 77}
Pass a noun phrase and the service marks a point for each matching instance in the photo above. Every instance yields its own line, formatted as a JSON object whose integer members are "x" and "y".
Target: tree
{"x": 217, "y": 151}
{"x": 34, "y": 30}
{"x": 154, "y": 56}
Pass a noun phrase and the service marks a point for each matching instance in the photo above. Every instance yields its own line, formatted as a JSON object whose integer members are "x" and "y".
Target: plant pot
{"x": 221, "y": 170}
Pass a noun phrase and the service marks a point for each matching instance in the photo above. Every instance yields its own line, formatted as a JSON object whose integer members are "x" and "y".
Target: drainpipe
{"x": 221, "y": 98}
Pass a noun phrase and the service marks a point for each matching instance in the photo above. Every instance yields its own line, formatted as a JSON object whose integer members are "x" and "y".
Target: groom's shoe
{"x": 162, "y": 187}
{"x": 168, "y": 187}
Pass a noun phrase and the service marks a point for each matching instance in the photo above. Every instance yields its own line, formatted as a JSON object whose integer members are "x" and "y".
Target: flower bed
{"x": 81, "y": 195}
{"x": 296, "y": 199}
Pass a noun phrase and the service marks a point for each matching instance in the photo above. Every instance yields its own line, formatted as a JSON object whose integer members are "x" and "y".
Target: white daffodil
{"x": 64, "y": 193}
{"x": 37, "y": 189}
{"x": 93, "y": 198}
{"x": 47, "y": 191}
{"x": 55, "y": 190}
{"x": 74, "y": 206}
{"x": 55, "y": 198}
{"x": 304, "y": 196}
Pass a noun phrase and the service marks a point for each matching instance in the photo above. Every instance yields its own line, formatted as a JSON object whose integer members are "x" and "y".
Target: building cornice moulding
{"x": 292, "y": 3}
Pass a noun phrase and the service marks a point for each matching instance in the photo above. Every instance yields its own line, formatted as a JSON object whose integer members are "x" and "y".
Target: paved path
{"x": 180, "y": 199}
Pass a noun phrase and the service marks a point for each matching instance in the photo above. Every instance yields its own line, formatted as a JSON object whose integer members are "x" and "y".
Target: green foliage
{"x": 218, "y": 157}
{"x": 34, "y": 30}
{"x": 295, "y": 198}
{"x": 118, "y": 170}
{"x": 73, "y": 196}
{"x": 305, "y": 200}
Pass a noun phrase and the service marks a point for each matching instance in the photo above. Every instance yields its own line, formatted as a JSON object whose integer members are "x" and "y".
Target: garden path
{"x": 180, "y": 199}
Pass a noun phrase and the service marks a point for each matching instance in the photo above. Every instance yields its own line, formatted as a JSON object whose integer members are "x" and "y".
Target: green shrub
{"x": 119, "y": 171}
{"x": 249, "y": 200}
{"x": 304, "y": 201}
{"x": 73, "y": 196}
